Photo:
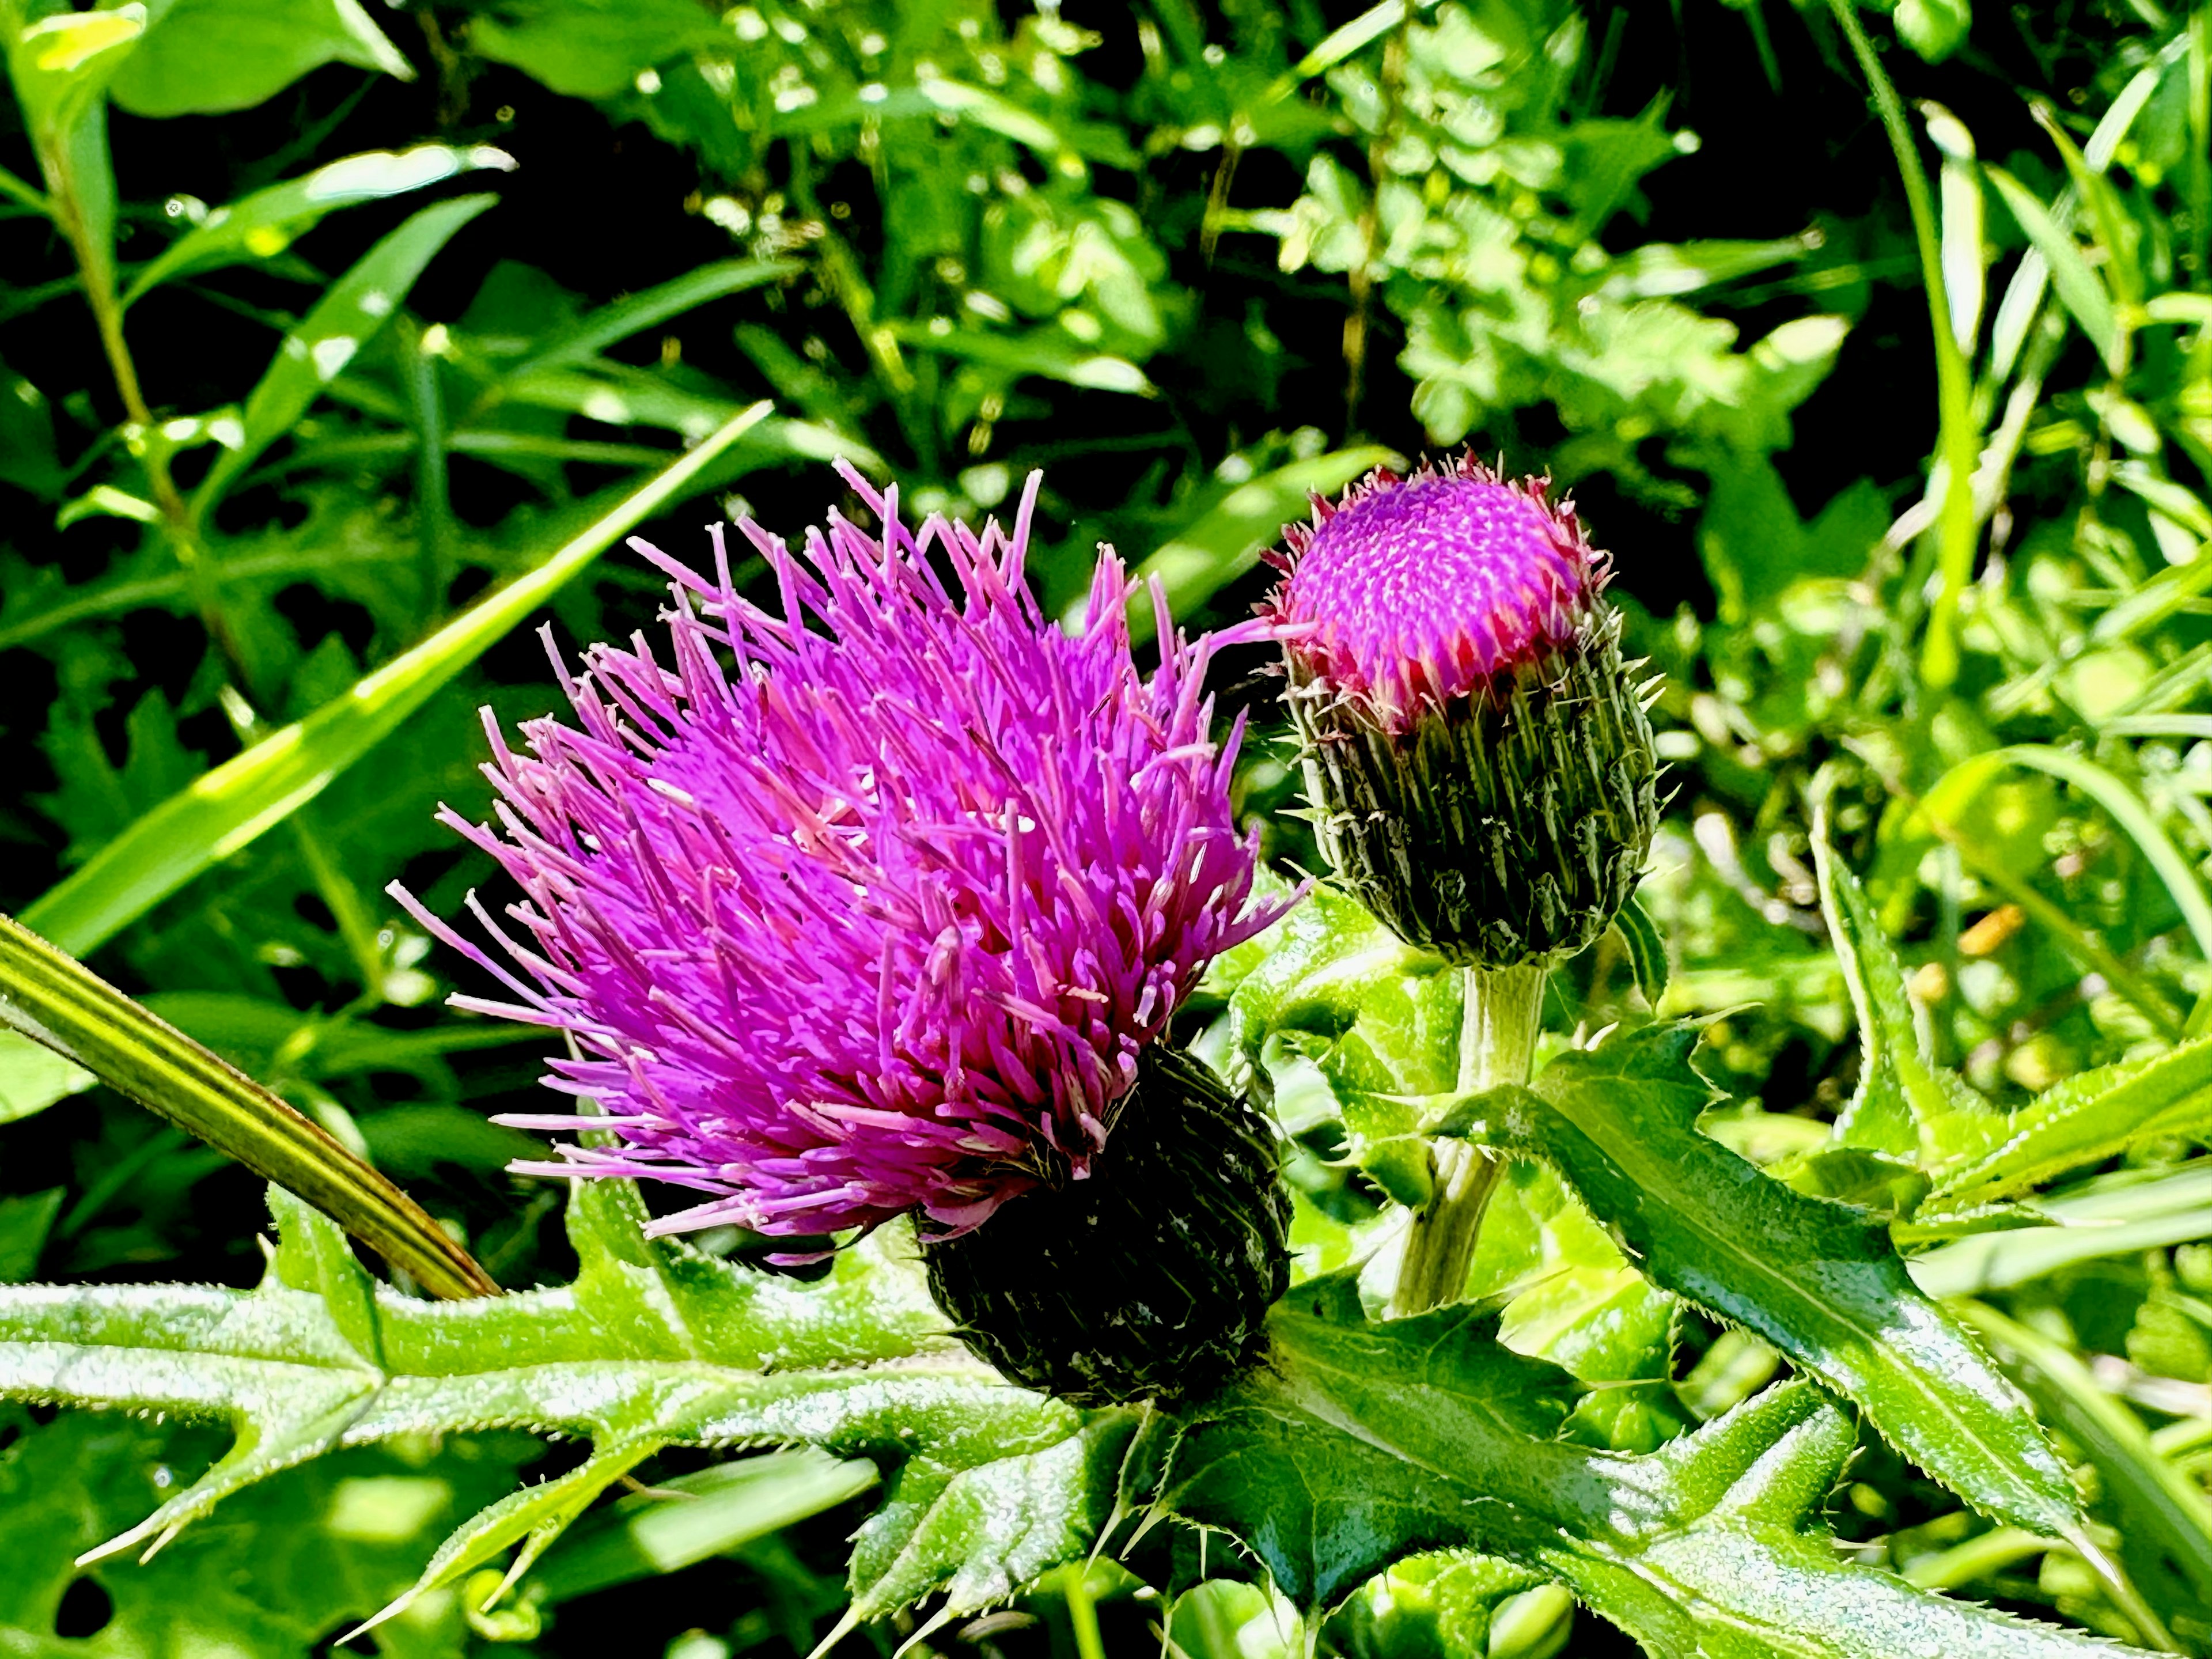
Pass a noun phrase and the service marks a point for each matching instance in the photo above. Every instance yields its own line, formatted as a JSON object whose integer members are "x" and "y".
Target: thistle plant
{"x": 881, "y": 906}
{"x": 1477, "y": 755}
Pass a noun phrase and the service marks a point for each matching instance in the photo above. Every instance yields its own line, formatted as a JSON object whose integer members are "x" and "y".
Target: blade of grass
{"x": 1946, "y": 801}
{"x": 2146, "y": 1489}
{"x": 55, "y": 1000}
{"x": 1958, "y": 441}
{"x": 252, "y": 792}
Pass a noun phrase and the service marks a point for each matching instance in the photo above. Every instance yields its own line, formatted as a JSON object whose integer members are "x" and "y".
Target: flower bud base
{"x": 1506, "y": 830}
{"x": 1149, "y": 1279}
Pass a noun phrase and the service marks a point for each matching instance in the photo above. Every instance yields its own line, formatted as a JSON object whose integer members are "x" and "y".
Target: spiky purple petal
{"x": 877, "y": 916}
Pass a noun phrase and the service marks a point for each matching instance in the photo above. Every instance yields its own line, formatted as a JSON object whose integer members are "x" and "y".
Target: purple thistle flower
{"x": 881, "y": 917}
{"x": 1409, "y": 594}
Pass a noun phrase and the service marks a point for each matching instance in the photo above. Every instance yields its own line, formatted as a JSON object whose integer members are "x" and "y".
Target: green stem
{"x": 1082, "y": 1610}
{"x": 1496, "y": 1046}
{"x": 61, "y": 1004}
{"x": 1958, "y": 444}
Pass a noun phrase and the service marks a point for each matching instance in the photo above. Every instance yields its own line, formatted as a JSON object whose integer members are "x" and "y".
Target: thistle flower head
{"x": 1409, "y": 594}
{"x": 869, "y": 903}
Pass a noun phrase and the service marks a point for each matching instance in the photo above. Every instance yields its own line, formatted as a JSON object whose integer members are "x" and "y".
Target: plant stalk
{"x": 1496, "y": 1046}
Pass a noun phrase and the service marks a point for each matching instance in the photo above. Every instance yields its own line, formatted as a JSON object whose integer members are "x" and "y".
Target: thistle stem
{"x": 1496, "y": 1046}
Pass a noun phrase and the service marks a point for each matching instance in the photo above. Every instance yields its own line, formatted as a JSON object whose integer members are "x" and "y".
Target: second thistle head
{"x": 1476, "y": 750}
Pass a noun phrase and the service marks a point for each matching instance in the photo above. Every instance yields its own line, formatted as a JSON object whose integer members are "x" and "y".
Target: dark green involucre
{"x": 1152, "y": 1278}
{"x": 1508, "y": 828}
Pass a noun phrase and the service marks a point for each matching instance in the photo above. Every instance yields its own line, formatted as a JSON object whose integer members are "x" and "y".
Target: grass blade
{"x": 325, "y": 340}
{"x": 228, "y": 807}
{"x": 54, "y": 999}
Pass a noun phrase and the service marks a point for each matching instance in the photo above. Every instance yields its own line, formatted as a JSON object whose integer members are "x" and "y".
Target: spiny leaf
{"x": 1904, "y": 1103}
{"x": 1819, "y": 1280}
{"x": 1357, "y": 1445}
{"x": 655, "y": 1343}
{"x": 2089, "y": 1117}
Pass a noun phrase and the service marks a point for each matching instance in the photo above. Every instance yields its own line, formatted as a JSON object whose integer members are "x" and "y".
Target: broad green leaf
{"x": 654, "y": 1342}
{"x": 1226, "y": 540}
{"x": 61, "y": 62}
{"x": 1819, "y": 1280}
{"x": 595, "y": 48}
{"x": 2080, "y": 288}
{"x": 60, "y": 1004}
{"x": 256, "y": 790}
{"x": 206, "y": 56}
{"x": 32, "y": 1077}
{"x": 312, "y": 355}
{"x": 1358, "y": 1445}
{"x": 263, "y": 225}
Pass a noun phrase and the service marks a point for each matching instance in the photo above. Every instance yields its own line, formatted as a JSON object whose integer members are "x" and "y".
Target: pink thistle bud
{"x": 1475, "y": 748}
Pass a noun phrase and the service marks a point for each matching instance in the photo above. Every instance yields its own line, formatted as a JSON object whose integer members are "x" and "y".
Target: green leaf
{"x": 354, "y": 308}
{"x": 32, "y": 1077}
{"x": 594, "y": 48}
{"x": 61, "y": 62}
{"x": 2165, "y": 1518}
{"x": 1379, "y": 1017}
{"x": 1358, "y": 1445}
{"x": 1050, "y": 352}
{"x": 254, "y": 791}
{"x": 263, "y": 225}
{"x": 655, "y": 1343}
{"x": 2088, "y": 1118}
{"x": 59, "y": 1003}
{"x": 592, "y": 334}
{"x": 1647, "y": 950}
{"x": 24, "y": 1223}
{"x": 719, "y": 1507}
{"x": 1226, "y": 540}
{"x": 204, "y": 57}
{"x": 1820, "y": 1281}
{"x": 1904, "y": 1104}
{"x": 2119, "y": 1215}
{"x": 27, "y": 457}
{"x": 2080, "y": 288}
{"x": 294, "y": 1563}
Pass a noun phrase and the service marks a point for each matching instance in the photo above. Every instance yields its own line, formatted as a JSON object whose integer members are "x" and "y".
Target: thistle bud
{"x": 1475, "y": 749}
{"x": 1149, "y": 1279}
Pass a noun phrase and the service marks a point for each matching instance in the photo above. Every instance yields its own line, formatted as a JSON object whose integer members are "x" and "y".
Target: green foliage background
{"x": 320, "y": 324}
